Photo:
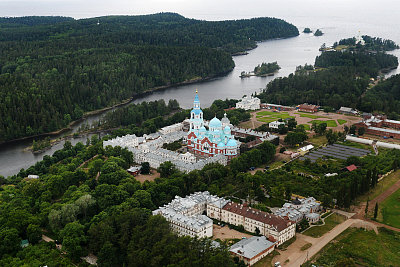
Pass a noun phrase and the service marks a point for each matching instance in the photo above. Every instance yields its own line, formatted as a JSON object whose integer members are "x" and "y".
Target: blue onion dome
{"x": 215, "y": 123}
{"x": 221, "y": 144}
{"x": 203, "y": 130}
{"x": 231, "y": 142}
{"x": 227, "y": 130}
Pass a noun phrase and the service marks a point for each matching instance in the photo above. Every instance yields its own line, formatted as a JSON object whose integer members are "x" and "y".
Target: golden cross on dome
{"x": 196, "y": 89}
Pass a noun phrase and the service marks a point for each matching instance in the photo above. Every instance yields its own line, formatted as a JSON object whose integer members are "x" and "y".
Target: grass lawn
{"x": 306, "y": 246}
{"x": 282, "y": 116}
{"x": 246, "y": 124}
{"x": 384, "y": 184}
{"x": 267, "y": 119}
{"x": 307, "y": 115}
{"x": 341, "y": 121}
{"x": 318, "y": 140}
{"x": 390, "y": 210}
{"x": 364, "y": 247}
{"x": 275, "y": 164}
{"x": 330, "y": 123}
{"x": 265, "y": 113}
{"x": 306, "y": 127}
{"x": 330, "y": 222}
{"x": 341, "y": 47}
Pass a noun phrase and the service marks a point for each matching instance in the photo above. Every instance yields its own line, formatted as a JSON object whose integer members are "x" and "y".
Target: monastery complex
{"x": 217, "y": 144}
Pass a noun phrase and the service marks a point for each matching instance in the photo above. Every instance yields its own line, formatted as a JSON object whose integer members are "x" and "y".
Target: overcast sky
{"x": 199, "y": 9}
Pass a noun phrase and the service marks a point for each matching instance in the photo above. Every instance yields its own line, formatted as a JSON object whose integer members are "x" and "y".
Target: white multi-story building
{"x": 299, "y": 209}
{"x": 185, "y": 214}
{"x": 249, "y": 103}
{"x": 177, "y": 127}
{"x": 195, "y": 225}
{"x": 272, "y": 226}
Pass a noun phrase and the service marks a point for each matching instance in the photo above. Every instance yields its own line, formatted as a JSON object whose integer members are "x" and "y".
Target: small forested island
{"x": 307, "y": 30}
{"x": 95, "y": 63}
{"x": 266, "y": 69}
{"x": 318, "y": 32}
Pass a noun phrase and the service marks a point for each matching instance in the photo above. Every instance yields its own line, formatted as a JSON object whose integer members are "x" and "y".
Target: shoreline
{"x": 125, "y": 102}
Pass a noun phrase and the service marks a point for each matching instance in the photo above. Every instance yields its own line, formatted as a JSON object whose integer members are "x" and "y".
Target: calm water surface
{"x": 339, "y": 21}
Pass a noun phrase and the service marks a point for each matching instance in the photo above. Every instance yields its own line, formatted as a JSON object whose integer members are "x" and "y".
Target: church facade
{"x": 214, "y": 141}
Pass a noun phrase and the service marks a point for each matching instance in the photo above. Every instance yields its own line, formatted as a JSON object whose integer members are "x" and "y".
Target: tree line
{"x": 344, "y": 77}
{"x": 53, "y": 70}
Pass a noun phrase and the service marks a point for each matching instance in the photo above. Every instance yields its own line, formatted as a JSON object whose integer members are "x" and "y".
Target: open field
{"x": 329, "y": 123}
{"x": 330, "y": 222}
{"x": 364, "y": 247}
{"x": 318, "y": 140}
{"x": 267, "y": 119}
{"x": 149, "y": 177}
{"x": 390, "y": 210}
{"x": 341, "y": 121}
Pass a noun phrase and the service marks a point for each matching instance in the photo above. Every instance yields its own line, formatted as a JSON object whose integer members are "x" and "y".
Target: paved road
{"x": 321, "y": 242}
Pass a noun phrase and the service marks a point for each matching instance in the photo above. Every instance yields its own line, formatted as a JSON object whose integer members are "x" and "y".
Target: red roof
{"x": 351, "y": 168}
{"x": 258, "y": 215}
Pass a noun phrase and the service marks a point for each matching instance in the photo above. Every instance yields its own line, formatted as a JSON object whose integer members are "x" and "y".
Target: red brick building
{"x": 308, "y": 108}
{"x": 379, "y": 125}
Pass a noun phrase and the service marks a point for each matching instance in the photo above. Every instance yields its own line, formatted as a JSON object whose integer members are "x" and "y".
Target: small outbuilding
{"x": 253, "y": 249}
{"x": 349, "y": 168}
{"x": 134, "y": 170}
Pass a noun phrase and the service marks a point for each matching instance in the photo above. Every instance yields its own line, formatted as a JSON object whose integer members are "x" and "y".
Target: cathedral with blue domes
{"x": 214, "y": 141}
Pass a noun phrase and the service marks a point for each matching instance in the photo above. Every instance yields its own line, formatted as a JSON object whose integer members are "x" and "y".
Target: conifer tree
{"x": 376, "y": 210}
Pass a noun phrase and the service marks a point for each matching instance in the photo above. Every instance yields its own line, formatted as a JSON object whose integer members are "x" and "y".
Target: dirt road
{"x": 297, "y": 259}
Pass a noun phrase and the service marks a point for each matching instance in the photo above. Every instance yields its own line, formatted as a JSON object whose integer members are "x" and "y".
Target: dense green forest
{"x": 371, "y": 43}
{"x": 110, "y": 216}
{"x": 384, "y": 97}
{"x": 344, "y": 78}
{"x": 54, "y": 69}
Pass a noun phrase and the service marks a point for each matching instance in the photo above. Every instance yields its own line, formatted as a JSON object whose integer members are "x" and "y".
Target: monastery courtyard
{"x": 334, "y": 121}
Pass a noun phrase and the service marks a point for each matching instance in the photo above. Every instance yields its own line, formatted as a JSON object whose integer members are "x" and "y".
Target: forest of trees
{"x": 55, "y": 69}
{"x": 110, "y": 216}
{"x": 343, "y": 80}
{"x": 384, "y": 97}
{"x": 371, "y": 43}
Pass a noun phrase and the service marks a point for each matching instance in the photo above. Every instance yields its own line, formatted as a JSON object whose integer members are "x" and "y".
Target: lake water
{"x": 338, "y": 20}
